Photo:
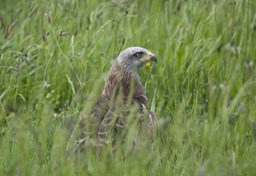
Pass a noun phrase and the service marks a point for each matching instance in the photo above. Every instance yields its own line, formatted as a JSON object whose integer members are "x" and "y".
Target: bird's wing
{"x": 86, "y": 130}
{"x": 100, "y": 109}
{"x": 119, "y": 123}
{"x": 112, "y": 123}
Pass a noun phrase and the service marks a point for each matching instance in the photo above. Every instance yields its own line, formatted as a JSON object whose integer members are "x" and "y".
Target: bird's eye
{"x": 138, "y": 54}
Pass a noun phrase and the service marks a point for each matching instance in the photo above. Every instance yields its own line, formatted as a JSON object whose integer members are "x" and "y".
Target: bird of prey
{"x": 123, "y": 100}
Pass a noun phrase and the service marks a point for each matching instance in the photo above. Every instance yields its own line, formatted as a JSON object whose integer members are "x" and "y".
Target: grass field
{"x": 54, "y": 56}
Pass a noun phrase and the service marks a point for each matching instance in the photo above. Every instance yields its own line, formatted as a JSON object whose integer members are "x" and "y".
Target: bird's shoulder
{"x": 100, "y": 108}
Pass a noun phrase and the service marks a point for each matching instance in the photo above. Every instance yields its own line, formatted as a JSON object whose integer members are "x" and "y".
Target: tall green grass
{"x": 55, "y": 56}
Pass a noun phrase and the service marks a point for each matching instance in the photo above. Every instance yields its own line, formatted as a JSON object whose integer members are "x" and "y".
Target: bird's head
{"x": 135, "y": 57}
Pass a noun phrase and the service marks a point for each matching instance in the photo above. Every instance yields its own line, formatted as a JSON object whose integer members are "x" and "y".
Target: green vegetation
{"x": 54, "y": 56}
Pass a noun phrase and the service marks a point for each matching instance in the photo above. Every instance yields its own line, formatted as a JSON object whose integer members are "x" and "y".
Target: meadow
{"x": 55, "y": 55}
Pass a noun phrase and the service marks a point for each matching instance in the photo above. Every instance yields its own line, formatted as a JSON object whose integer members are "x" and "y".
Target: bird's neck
{"x": 124, "y": 82}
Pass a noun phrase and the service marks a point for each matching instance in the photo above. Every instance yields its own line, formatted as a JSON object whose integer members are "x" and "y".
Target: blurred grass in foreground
{"x": 54, "y": 57}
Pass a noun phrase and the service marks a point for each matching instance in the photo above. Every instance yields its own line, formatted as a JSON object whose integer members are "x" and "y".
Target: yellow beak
{"x": 147, "y": 58}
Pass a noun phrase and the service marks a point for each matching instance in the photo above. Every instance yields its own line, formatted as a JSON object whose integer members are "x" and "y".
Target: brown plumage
{"x": 123, "y": 101}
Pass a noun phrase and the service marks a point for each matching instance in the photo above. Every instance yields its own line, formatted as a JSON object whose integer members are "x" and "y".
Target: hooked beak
{"x": 149, "y": 57}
